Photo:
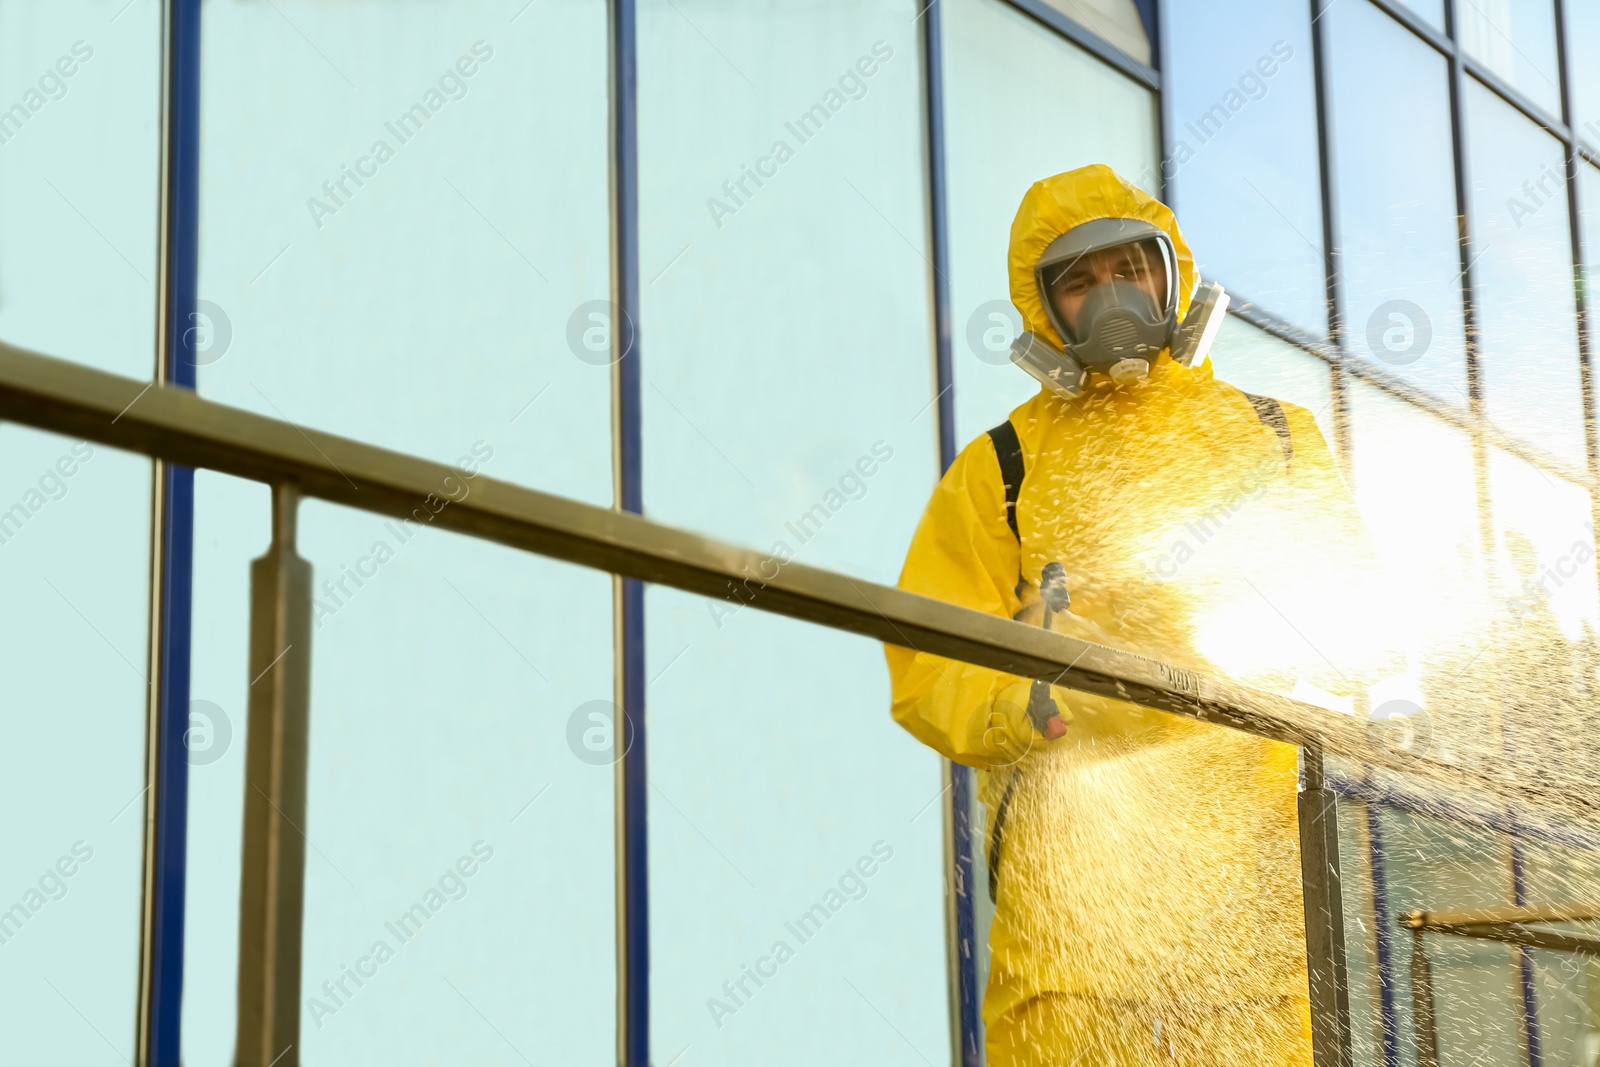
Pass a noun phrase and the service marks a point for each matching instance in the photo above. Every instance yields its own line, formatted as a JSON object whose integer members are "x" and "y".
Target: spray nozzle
{"x": 1053, "y": 590}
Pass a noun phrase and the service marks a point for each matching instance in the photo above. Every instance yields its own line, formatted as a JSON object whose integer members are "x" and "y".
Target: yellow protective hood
{"x": 1055, "y": 205}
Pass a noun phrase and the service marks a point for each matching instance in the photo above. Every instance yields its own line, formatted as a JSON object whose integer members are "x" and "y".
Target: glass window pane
{"x": 1433, "y": 863}
{"x": 1589, "y": 217}
{"x": 786, "y": 379}
{"x": 1589, "y": 208}
{"x": 1545, "y": 653}
{"x": 1117, "y": 21}
{"x": 1418, "y": 491}
{"x": 1583, "y": 43}
{"x": 1567, "y": 996}
{"x": 1365, "y": 974}
{"x": 379, "y": 255}
{"x": 458, "y": 838}
{"x": 1555, "y": 873}
{"x": 80, "y": 100}
{"x": 1415, "y": 483}
{"x": 743, "y": 857}
{"x": 1523, "y": 277}
{"x": 1432, "y": 11}
{"x": 787, "y": 406}
{"x": 1547, "y": 657}
{"x": 417, "y": 764}
{"x": 74, "y": 653}
{"x": 1244, "y": 153}
{"x": 1260, "y": 363}
{"x": 1546, "y": 532}
{"x": 1004, "y": 77}
{"x": 1416, "y": 486}
{"x": 438, "y": 307}
{"x": 1516, "y": 39}
{"x": 1399, "y": 249}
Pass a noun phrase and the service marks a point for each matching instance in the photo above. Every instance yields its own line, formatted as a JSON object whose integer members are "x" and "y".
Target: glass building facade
{"x": 740, "y": 270}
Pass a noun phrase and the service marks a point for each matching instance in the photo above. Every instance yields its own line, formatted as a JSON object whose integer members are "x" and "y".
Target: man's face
{"x": 1141, "y": 264}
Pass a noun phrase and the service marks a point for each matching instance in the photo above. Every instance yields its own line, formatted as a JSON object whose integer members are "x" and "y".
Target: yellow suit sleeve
{"x": 964, "y": 553}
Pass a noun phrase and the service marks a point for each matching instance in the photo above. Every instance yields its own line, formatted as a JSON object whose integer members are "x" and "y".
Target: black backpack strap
{"x": 1008, "y": 450}
{"x": 1270, "y": 412}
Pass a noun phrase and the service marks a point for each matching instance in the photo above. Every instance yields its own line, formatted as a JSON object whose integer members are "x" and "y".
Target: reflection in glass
{"x": 1405, "y": 847}
{"x": 1583, "y": 43}
{"x": 1264, "y": 566}
{"x": 80, "y": 101}
{"x": 1364, "y": 974}
{"x": 1244, "y": 157}
{"x": 1259, "y": 363}
{"x": 1434, "y": 863}
{"x": 1567, "y": 996}
{"x": 1505, "y": 686}
{"x": 1498, "y": 661}
{"x": 74, "y": 653}
{"x": 1432, "y": 11}
{"x": 1416, "y": 487}
{"x": 1546, "y": 534}
{"x": 1516, "y": 39}
{"x": 402, "y": 238}
{"x": 1523, "y": 277}
{"x": 1589, "y": 204}
{"x": 1562, "y": 873}
{"x": 1117, "y": 21}
{"x": 1546, "y": 651}
{"x": 1399, "y": 249}
{"x": 1005, "y": 76}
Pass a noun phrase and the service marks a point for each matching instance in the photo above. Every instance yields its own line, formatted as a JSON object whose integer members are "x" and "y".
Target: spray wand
{"x": 1055, "y": 596}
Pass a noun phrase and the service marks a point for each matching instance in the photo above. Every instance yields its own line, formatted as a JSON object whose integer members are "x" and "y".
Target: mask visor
{"x": 1101, "y": 253}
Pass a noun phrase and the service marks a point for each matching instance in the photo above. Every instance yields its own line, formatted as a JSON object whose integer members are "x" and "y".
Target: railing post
{"x": 1324, "y": 915}
{"x": 1422, "y": 1024}
{"x": 272, "y": 881}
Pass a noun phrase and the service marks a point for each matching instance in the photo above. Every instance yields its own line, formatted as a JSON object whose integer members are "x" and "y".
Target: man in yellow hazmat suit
{"x": 1145, "y": 867}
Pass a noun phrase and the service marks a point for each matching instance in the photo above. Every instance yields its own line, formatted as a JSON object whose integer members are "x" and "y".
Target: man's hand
{"x": 1044, "y": 713}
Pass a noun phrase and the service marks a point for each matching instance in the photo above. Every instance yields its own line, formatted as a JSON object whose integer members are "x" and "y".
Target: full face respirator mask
{"x": 1110, "y": 289}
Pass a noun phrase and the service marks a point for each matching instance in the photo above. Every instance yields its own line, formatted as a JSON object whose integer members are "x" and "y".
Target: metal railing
{"x": 1521, "y": 926}
{"x": 176, "y": 425}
